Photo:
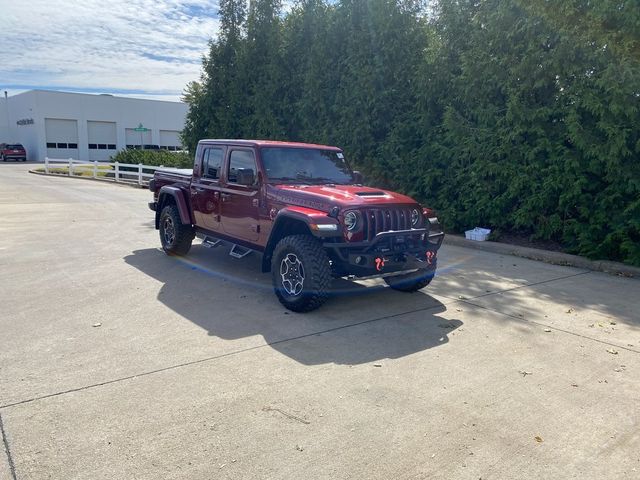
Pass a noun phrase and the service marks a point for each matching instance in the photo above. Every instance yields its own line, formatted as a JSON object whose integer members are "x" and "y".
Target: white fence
{"x": 117, "y": 172}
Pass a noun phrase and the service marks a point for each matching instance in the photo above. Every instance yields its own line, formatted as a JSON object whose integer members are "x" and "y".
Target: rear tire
{"x": 175, "y": 237}
{"x": 410, "y": 282}
{"x": 301, "y": 273}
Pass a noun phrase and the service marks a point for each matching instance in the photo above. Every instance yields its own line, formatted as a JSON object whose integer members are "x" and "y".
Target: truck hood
{"x": 325, "y": 197}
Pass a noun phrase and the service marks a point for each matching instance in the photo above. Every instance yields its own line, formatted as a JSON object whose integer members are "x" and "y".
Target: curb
{"x": 555, "y": 258}
{"x": 103, "y": 180}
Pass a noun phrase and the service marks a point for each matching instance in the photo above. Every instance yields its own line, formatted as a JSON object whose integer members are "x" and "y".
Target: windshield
{"x": 306, "y": 165}
{"x": 14, "y": 147}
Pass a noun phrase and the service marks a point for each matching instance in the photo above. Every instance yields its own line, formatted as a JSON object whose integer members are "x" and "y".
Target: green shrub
{"x": 155, "y": 158}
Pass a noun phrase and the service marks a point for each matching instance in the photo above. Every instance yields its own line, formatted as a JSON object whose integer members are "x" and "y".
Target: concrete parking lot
{"x": 118, "y": 362}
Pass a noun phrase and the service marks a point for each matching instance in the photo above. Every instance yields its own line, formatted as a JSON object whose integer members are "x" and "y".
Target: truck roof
{"x": 269, "y": 143}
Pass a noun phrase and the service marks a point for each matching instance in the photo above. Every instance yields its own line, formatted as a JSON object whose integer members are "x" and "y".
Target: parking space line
{"x": 216, "y": 357}
{"x": 5, "y": 442}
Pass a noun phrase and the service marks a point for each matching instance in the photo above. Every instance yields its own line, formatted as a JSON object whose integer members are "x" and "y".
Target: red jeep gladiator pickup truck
{"x": 304, "y": 209}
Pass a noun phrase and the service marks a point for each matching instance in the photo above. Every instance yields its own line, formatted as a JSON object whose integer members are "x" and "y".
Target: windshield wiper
{"x": 325, "y": 180}
{"x": 286, "y": 179}
{"x": 306, "y": 179}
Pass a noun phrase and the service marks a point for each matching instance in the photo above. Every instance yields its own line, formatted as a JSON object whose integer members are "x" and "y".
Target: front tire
{"x": 175, "y": 237}
{"x": 301, "y": 273}
{"x": 410, "y": 282}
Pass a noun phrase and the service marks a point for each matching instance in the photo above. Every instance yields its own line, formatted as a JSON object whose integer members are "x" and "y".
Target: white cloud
{"x": 153, "y": 47}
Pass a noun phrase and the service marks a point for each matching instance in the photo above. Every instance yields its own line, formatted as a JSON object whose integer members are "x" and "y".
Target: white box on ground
{"x": 478, "y": 234}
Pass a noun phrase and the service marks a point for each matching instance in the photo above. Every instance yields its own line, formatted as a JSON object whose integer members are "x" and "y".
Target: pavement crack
{"x": 286, "y": 414}
{"x": 217, "y": 357}
{"x": 521, "y": 319}
{"x": 5, "y": 442}
{"x": 542, "y": 282}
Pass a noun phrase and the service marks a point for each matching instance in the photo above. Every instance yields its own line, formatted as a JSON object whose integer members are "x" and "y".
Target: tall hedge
{"x": 155, "y": 158}
{"x": 519, "y": 115}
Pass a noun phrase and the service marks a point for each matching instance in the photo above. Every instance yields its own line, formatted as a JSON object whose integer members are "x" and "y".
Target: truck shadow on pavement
{"x": 232, "y": 299}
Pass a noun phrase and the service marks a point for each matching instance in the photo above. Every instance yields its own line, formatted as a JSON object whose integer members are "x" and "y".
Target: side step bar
{"x": 211, "y": 242}
{"x": 239, "y": 252}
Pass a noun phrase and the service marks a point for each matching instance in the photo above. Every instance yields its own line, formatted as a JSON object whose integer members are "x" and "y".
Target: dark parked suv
{"x": 12, "y": 151}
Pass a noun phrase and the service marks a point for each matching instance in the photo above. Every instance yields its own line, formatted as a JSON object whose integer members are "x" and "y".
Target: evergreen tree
{"x": 521, "y": 115}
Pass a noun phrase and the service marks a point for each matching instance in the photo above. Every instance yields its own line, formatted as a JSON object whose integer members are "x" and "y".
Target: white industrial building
{"x": 88, "y": 127}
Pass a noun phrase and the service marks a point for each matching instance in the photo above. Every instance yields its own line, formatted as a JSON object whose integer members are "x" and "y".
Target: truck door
{"x": 205, "y": 188}
{"x": 239, "y": 200}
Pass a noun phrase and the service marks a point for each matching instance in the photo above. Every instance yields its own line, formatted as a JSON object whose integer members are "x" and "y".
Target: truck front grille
{"x": 376, "y": 220}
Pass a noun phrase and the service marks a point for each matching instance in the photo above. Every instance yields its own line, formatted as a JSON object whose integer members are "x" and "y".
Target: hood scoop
{"x": 371, "y": 194}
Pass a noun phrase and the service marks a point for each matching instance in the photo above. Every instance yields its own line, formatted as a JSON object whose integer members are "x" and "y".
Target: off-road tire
{"x": 178, "y": 241}
{"x": 410, "y": 282}
{"x": 316, "y": 272}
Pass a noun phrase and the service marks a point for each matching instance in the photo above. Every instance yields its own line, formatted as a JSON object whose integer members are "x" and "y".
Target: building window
{"x": 73, "y": 145}
{"x": 111, "y": 146}
{"x": 93, "y": 146}
{"x": 102, "y": 146}
{"x": 62, "y": 145}
{"x": 51, "y": 145}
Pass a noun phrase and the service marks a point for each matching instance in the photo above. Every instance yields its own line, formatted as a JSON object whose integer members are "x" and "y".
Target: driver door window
{"x": 240, "y": 160}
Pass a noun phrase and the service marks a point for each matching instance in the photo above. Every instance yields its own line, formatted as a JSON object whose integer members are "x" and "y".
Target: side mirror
{"x": 246, "y": 177}
{"x": 358, "y": 177}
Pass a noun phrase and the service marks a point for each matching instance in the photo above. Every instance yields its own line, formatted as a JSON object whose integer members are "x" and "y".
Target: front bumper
{"x": 389, "y": 252}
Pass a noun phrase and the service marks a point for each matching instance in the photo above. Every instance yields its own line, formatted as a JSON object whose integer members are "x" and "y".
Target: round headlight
{"x": 351, "y": 221}
{"x": 415, "y": 217}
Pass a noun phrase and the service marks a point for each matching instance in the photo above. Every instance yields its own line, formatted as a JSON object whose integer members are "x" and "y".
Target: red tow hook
{"x": 379, "y": 263}
{"x": 430, "y": 257}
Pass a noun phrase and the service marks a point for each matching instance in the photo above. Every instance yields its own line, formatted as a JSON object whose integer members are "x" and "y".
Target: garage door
{"x": 170, "y": 140}
{"x": 135, "y": 139}
{"x": 62, "y": 138}
{"x": 102, "y": 140}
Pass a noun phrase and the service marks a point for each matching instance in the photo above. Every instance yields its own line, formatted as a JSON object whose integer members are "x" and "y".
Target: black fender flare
{"x": 179, "y": 198}
{"x": 299, "y": 220}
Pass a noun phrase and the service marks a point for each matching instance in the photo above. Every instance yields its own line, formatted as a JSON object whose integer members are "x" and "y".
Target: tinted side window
{"x": 240, "y": 160}
{"x": 212, "y": 163}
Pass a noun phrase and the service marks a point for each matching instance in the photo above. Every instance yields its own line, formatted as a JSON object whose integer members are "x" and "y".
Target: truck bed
{"x": 172, "y": 176}
{"x": 178, "y": 172}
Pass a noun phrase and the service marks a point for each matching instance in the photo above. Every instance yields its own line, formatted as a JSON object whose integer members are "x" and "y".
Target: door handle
{"x": 225, "y": 196}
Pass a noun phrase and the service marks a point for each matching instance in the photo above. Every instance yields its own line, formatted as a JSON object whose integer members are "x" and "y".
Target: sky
{"x": 136, "y": 48}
